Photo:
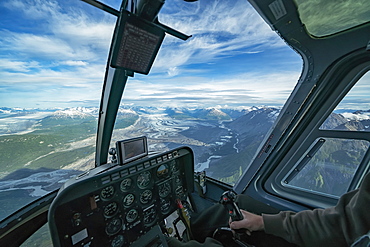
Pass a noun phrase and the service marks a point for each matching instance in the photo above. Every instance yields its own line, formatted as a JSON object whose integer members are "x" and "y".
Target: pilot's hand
{"x": 250, "y": 223}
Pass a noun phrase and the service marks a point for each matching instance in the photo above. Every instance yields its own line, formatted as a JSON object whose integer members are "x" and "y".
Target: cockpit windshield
{"x": 207, "y": 92}
{"x": 52, "y": 62}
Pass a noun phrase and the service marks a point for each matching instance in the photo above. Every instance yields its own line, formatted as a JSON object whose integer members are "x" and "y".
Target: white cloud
{"x": 17, "y": 66}
{"x": 87, "y": 75}
{"x": 81, "y": 30}
{"x": 41, "y": 46}
{"x": 357, "y": 117}
{"x": 358, "y": 97}
{"x": 56, "y": 45}
{"x": 64, "y": 60}
{"x": 34, "y": 9}
{"x": 66, "y": 33}
{"x": 242, "y": 89}
{"x": 218, "y": 29}
{"x": 173, "y": 71}
{"x": 75, "y": 63}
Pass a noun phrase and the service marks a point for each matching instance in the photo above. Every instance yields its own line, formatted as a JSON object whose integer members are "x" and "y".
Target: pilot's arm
{"x": 336, "y": 226}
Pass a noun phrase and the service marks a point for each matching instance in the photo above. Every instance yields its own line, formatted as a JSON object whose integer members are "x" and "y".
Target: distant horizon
{"x": 157, "y": 107}
{"x": 122, "y": 106}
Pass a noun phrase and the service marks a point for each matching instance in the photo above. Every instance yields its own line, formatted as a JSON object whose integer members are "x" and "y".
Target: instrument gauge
{"x": 162, "y": 170}
{"x": 150, "y": 215}
{"x": 128, "y": 200}
{"x": 111, "y": 209}
{"x": 107, "y": 193}
{"x": 174, "y": 166}
{"x": 114, "y": 226}
{"x": 165, "y": 205}
{"x": 131, "y": 215}
{"x": 144, "y": 179}
{"x": 126, "y": 184}
{"x": 146, "y": 196}
{"x": 118, "y": 241}
{"x": 164, "y": 189}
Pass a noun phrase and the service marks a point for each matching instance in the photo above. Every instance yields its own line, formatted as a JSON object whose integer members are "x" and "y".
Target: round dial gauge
{"x": 107, "y": 192}
{"x": 174, "y": 166}
{"x": 126, "y": 184}
{"x": 164, "y": 189}
{"x": 149, "y": 216}
{"x": 143, "y": 180}
{"x": 118, "y": 241}
{"x": 162, "y": 170}
{"x": 128, "y": 200}
{"x": 131, "y": 215}
{"x": 146, "y": 196}
{"x": 114, "y": 226}
{"x": 165, "y": 206}
{"x": 111, "y": 209}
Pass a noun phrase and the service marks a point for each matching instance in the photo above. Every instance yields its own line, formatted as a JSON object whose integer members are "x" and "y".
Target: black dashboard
{"x": 122, "y": 205}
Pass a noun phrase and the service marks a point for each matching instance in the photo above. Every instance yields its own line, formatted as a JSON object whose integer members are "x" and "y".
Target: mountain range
{"x": 35, "y": 143}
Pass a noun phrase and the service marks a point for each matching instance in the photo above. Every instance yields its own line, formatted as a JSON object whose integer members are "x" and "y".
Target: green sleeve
{"x": 340, "y": 225}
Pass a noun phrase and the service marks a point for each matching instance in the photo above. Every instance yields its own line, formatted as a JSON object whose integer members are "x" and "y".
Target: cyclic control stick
{"x": 228, "y": 200}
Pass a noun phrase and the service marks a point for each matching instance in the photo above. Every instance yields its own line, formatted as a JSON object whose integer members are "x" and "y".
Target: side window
{"x": 40, "y": 238}
{"x": 329, "y": 166}
{"x": 353, "y": 112}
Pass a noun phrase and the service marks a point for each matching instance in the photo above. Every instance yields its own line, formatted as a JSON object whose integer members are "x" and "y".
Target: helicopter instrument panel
{"x": 122, "y": 204}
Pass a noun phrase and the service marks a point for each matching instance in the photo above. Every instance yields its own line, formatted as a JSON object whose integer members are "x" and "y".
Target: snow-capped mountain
{"x": 72, "y": 113}
{"x": 34, "y": 138}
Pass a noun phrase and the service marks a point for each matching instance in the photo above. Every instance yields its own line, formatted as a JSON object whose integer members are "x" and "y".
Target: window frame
{"x": 310, "y": 153}
{"x": 273, "y": 183}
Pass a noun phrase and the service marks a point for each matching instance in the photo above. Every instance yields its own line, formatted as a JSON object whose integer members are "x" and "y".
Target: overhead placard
{"x": 137, "y": 44}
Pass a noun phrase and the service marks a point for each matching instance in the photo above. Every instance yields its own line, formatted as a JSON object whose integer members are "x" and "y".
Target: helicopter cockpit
{"x": 149, "y": 173}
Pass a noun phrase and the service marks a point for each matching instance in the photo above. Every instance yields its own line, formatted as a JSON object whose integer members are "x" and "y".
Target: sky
{"x": 53, "y": 53}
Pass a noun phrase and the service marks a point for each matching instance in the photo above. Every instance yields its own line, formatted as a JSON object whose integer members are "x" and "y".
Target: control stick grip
{"x": 228, "y": 200}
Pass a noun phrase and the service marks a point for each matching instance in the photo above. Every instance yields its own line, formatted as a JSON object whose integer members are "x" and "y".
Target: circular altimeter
{"x": 165, "y": 205}
{"x": 164, "y": 189}
{"x": 131, "y": 215}
{"x": 114, "y": 226}
{"x": 110, "y": 209}
{"x": 118, "y": 241}
{"x": 174, "y": 166}
{"x": 146, "y": 196}
{"x": 144, "y": 179}
{"x": 128, "y": 200}
{"x": 126, "y": 184}
{"x": 149, "y": 215}
{"x": 107, "y": 193}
